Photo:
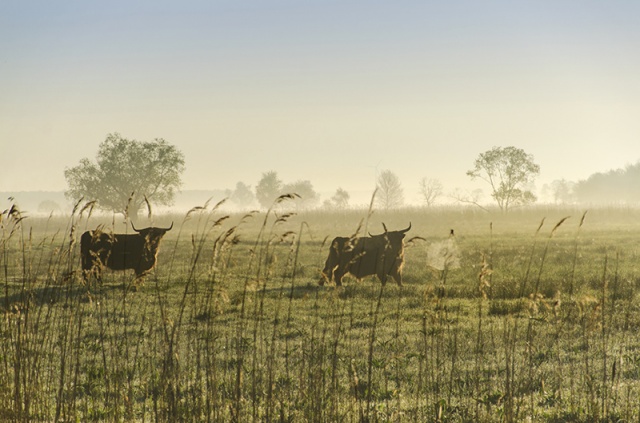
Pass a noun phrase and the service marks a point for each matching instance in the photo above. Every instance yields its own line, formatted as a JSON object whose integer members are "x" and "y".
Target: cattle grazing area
{"x": 529, "y": 316}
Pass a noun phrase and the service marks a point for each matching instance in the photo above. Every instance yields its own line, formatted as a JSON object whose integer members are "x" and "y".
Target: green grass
{"x": 232, "y": 325}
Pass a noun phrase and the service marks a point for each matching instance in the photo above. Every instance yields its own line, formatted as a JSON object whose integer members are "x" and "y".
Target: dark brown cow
{"x": 381, "y": 255}
{"x": 120, "y": 251}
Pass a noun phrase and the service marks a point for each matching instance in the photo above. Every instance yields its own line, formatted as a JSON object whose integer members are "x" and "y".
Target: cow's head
{"x": 152, "y": 235}
{"x": 394, "y": 239}
{"x": 393, "y": 235}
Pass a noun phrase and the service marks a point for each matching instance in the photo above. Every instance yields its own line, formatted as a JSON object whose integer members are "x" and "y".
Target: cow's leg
{"x": 87, "y": 266}
{"x": 95, "y": 271}
{"x": 327, "y": 274}
{"x": 91, "y": 267}
{"x": 86, "y": 274}
{"x": 140, "y": 275}
{"x": 398, "y": 278}
{"x": 338, "y": 274}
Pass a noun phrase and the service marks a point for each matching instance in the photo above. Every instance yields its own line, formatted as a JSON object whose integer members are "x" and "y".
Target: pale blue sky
{"x": 328, "y": 91}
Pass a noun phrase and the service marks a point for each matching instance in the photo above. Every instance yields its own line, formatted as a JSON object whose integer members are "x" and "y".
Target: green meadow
{"x": 526, "y": 316}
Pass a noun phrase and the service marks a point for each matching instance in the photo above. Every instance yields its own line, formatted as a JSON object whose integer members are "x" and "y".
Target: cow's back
{"x": 365, "y": 257}
{"x": 125, "y": 252}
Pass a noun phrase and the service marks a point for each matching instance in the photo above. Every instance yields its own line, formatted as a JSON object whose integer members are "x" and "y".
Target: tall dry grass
{"x": 231, "y": 325}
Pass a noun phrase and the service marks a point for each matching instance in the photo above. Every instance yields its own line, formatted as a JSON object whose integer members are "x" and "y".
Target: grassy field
{"x": 522, "y": 317}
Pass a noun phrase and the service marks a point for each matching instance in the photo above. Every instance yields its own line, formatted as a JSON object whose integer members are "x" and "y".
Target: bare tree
{"x": 430, "y": 189}
{"x": 467, "y": 197}
{"x": 390, "y": 192}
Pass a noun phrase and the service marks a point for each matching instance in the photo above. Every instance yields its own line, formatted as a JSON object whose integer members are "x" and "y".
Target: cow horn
{"x": 385, "y": 227}
{"x": 169, "y": 228}
{"x": 134, "y": 228}
{"x": 406, "y": 230}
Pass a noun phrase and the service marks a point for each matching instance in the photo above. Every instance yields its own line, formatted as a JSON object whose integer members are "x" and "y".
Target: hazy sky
{"x": 329, "y": 91}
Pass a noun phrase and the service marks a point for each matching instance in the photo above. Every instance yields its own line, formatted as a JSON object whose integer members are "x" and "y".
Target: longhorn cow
{"x": 381, "y": 255}
{"x": 120, "y": 251}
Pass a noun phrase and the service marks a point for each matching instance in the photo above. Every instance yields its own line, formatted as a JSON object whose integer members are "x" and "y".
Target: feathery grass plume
{"x": 219, "y": 221}
{"x": 193, "y": 210}
{"x": 359, "y": 228}
{"x": 289, "y": 234}
{"x": 283, "y": 197}
{"x": 218, "y": 204}
{"x": 544, "y": 255}
{"x": 248, "y": 216}
{"x": 14, "y": 217}
{"x": 525, "y": 279}
{"x": 196, "y": 209}
{"x": 72, "y": 237}
{"x": 88, "y": 205}
{"x": 126, "y": 208}
{"x": 582, "y": 218}
{"x": 483, "y": 276}
{"x": 206, "y": 203}
{"x": 575, "y": 255}
{"x": 370, "y": 210}
{"x": 75, "y": 207}
{"x": 15, "y": 214}
{"x": 540, "y": 225}
{"x": 283, "y": 218}
{"x": 149, "y": 213}
{"x": 553, "y": 231}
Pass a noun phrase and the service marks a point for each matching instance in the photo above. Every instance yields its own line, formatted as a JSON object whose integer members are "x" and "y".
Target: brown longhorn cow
{"x": 120, "y": 251}
{"x": 381, "y": 255}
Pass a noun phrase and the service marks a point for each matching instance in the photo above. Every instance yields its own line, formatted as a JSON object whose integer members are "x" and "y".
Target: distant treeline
{"x": 45, "y": 202}
{"x": 615, "y": 186}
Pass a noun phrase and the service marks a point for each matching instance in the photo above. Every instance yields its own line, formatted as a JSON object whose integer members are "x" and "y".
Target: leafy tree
{"x": 508, "y": 171}
{"x": 430, "y": 189}
{"x": 126, "y": 172}
{"x": 562, "y": 191}
{"x": 339, "y": 200}
{"x": 268, "y": 188}
{"x": 308, "y": 196}
{"x": 390, "y": 193}
{"x": 242, "y": 196}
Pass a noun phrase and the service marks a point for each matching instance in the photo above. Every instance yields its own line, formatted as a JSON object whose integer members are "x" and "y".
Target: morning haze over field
{"x": 332, "y": 92}
{"x": 432, "y": 213}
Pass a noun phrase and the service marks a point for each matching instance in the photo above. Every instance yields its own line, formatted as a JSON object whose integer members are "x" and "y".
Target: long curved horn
{"x": 406, "y": 230}
{"x": 169, "y": 228}
{"x": 134, "y": 228}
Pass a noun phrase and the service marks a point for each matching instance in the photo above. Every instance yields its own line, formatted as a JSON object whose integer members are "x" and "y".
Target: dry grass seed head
{"x": 88, "y": 205}
{"x": 553, "y": 231}
{"x": 149, "y": 213}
